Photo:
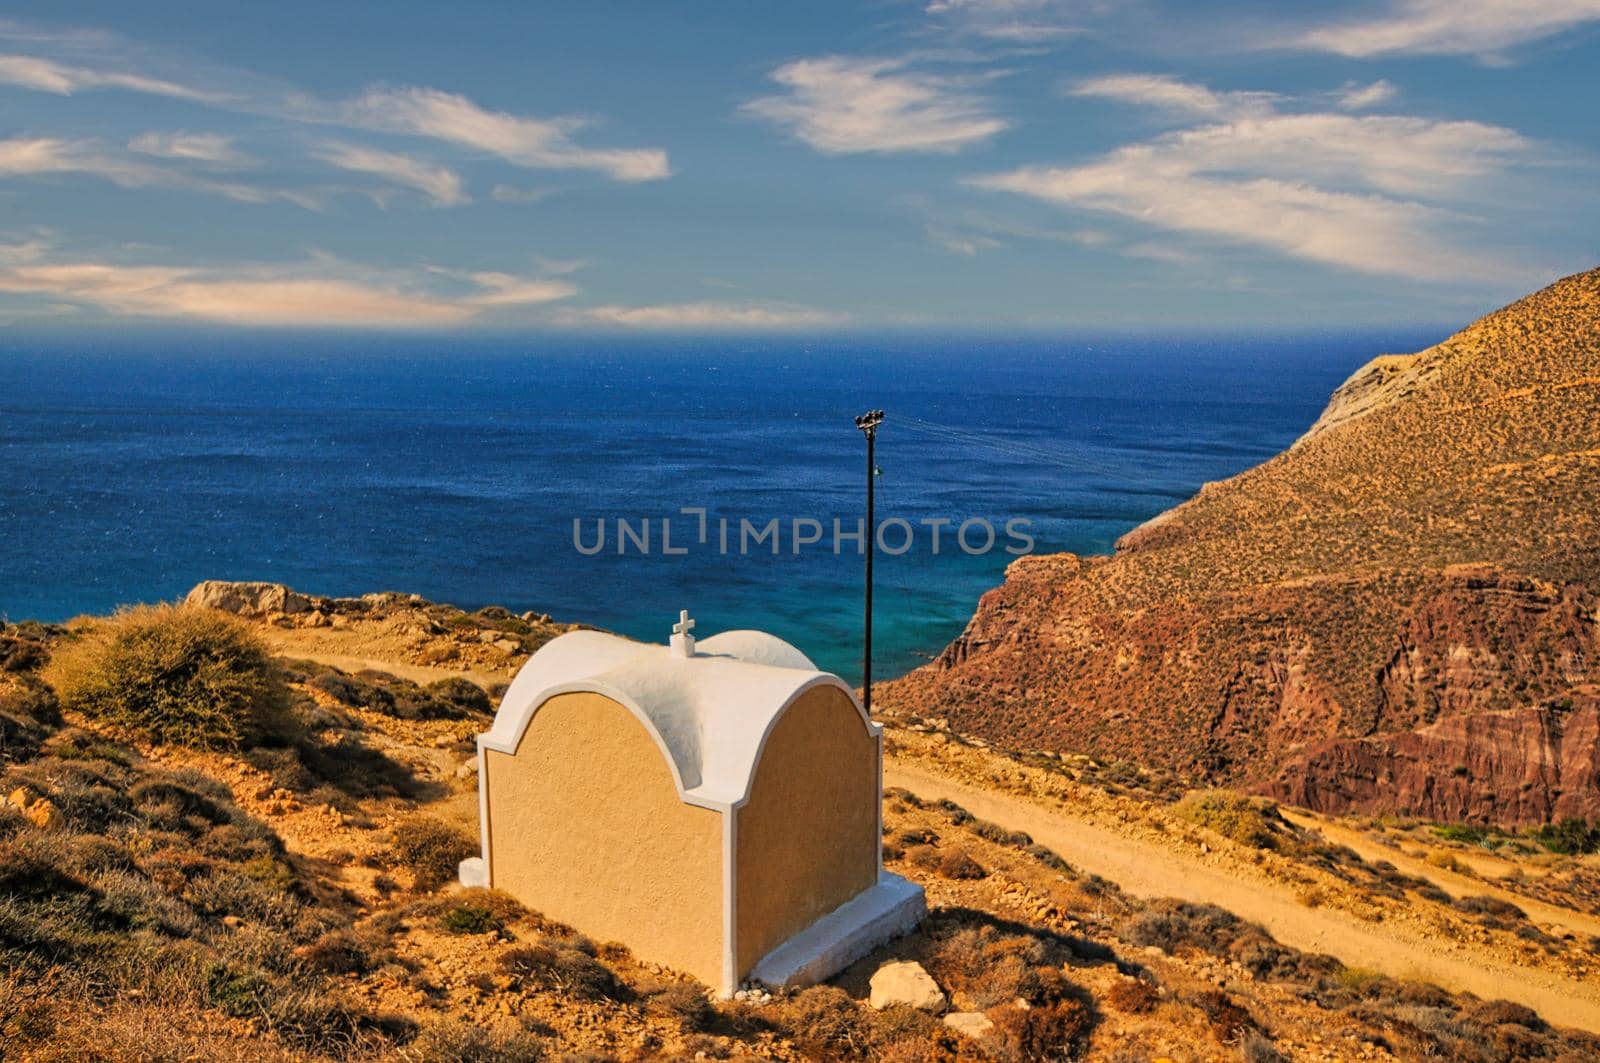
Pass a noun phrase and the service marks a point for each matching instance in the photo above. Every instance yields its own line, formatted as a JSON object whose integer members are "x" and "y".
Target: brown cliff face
{"x": 1396, "y": 614}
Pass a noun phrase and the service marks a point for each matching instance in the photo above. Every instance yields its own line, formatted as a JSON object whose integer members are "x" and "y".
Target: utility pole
{"x": 868, "y": 423}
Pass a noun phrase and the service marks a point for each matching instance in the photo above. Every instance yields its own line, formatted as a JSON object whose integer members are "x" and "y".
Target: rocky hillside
{"x": 1398, "y": 614}
{"x": 289, "y": 898}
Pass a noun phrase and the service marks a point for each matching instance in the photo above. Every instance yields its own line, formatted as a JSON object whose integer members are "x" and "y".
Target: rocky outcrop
{"x": 1512, "y": 767}
{"x": 248, "y": 599}
{"x": 1418, "y": 572}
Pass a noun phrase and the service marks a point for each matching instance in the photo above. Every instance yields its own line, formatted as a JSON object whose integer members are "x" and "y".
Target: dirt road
{"x": 1150, "y": 870}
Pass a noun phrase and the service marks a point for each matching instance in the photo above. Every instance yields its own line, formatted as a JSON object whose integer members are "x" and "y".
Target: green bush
{"x": 181, "y": 675}
{"x": 1570, "y": 837}
{"x": 469, "y": 919}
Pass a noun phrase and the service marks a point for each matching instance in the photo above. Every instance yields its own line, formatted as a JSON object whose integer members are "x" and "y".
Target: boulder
{"x": 969, "y": 1023}
{"x": 247, "y": 599}
{"x": 906, "y": 982}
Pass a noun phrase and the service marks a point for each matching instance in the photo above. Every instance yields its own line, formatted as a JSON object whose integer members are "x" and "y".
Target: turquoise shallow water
{"x": 455, "y": 468}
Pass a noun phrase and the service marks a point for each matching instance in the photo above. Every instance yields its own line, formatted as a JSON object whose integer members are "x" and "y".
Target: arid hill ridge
{"x": 1395, "y": 614}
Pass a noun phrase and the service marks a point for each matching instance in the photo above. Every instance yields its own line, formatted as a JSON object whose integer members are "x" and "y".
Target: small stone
{"x": 467, "y": 768}
{"x": 231, "y": 921}
{"x": 969, "y": 1023}
{"x": 507, "y": 645}
{"x": 905, "y": 982}
{"x": 44, "y": 814}
{"x": 21, "y": 797}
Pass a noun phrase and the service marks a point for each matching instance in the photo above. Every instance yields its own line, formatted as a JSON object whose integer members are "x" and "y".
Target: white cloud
{"x": 505, "y": 289}
{"x": 538, "y": 143}
{"x": 41, "y": 156}
{"x": 47, "y": 75}
{"x": 1450, "y": 27}
{"x": 1360, "y": 97}
{"x": 1378, "y": 194}
{"x": 323, "y": 292}
{"x": 439, "y": 183}
{"x": 191, "y": 147}
{"x": 1169, "y": 94}
{"x": 841, "y": 105}
{"x": 705, "y": 315}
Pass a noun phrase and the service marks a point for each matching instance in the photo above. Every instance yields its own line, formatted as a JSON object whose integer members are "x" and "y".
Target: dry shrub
{"x": 1229, "y": 1020}
{"x": 1056, "y": 1031}
{"x": 175, "y": 674}
{"x": 347, "y": 951}
{"x": 1133, "y": 997}
{"x": 985, "y": 967}
{"x": 825, "y": 1023}
{"x": 549, "y": 964}
{"x": 1445, "y": 861}
{"x": 925, "y": 857}
{"x": 686, "y": 1003}
{"x": 1248, "y": 821}
{"x": 958, "y": 865}
{"x": 901, "y": 1022}
{"x": 1256, "y": 1047}
{"x": 455, "y": 1041}
{"x": 464, "y": 694}
{"x": 431, "y": 849}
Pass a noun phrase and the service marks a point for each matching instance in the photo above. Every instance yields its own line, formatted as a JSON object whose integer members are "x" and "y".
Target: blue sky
{"x": 953, "y": 164}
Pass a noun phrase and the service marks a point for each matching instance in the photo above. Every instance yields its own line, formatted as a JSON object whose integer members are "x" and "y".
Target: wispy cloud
{"x": 1015, "y": 21}
{"x": 191, "y": 147}
{"x": 506, "y": 289}
{"x": 1360, "y": 97}
{"x": 1449, "y": 27}
{"x": 1376, "y": 194}
{"x": 47, "y": 75}
{"x": 704, "y": 315}
{"x": 538, "y": 143}
{"x": 842, "y": 105}
{"x": 447, "y": 117}
{"x": 44, "y": 156}
{"x": 439, "y": 183}
{"x": 1169, "y": 94}
{"x": 322, "y": 292}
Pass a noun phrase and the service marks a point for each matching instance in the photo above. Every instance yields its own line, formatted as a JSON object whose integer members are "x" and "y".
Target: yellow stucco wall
{"x": 585, "y": 826}
{"x": 808, "y": 837}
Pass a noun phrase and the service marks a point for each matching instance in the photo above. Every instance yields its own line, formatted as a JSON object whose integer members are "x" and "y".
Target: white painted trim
{"x": 483, "y": 816}
{"x": 878, "y": 839}
{"x": 730, "y": 904}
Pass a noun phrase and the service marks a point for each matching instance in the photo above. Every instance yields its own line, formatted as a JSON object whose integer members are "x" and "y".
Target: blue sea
{"x": 133, "y": 467}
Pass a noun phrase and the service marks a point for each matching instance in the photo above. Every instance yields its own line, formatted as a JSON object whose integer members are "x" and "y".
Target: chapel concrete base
{"x": 888, "y": 910}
